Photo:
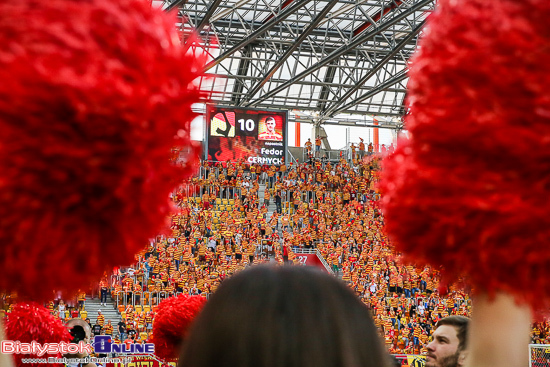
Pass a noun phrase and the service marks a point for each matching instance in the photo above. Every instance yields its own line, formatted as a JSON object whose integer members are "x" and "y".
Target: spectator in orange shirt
{"x": 308, "y": 146}
{"x": 317, "y": 145}
{"x": 361, "y": 148}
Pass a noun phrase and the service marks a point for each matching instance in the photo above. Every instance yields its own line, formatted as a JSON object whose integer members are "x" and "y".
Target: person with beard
{"x": 448, "y": 347}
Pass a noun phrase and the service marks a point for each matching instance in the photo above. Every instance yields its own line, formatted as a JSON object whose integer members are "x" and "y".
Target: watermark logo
{"x": 16, "y": 347}
{"x": 103, "y": 344}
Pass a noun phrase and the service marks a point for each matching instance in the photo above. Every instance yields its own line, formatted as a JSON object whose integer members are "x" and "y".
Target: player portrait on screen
{"x": 267, "y": 130}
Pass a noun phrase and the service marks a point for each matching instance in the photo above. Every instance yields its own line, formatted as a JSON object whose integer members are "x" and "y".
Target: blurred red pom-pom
{"x": 95, "y": 98}
{"x": 172, "y": 320}
{"x": 470, "y": 191}
{"x": 31, "y": 322}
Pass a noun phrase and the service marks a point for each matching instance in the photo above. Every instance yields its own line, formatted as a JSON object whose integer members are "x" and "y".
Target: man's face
{"x": 443, "y": 349}
{"x": 270, "y": 123}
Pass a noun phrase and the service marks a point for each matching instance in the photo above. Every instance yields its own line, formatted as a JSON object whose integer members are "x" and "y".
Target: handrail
{"x": 118, "y": 278}
{"x": 141, "y": 295}
{"x": 324, "y": 262}
{"x": 417, "y": 301}
{"x": 532, "y": 346}
{"x": 292, "y": 158}
{"x": 263, "y": 246}
{"x": 122, "y": 297}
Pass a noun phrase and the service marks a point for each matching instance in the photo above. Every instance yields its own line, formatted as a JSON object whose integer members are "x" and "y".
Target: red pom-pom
{"x": 470, "y": 191}
{"x": 30, "y": 322}
{"x": 93, "y": 97}
{"x": 172, "y": 320}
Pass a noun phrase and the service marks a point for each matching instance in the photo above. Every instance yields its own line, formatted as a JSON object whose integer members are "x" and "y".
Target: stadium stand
{"x": 234, "y": 215}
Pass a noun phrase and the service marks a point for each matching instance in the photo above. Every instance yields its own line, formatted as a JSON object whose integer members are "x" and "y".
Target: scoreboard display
{"x": 254, "y": 135}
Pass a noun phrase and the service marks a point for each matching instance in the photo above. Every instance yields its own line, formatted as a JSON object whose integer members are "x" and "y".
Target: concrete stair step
{"x": 92, "y": 305}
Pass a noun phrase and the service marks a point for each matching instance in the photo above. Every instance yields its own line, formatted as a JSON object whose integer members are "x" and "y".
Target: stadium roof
{"x": 328, "y": 61}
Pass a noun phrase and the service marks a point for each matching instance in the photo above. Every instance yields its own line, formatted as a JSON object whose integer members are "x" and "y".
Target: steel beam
{"x": 283, "y": 5}
{"x": 343, "y": 9}
{"x": 377, "y": 17}
{"x": 291, "y": 106}
{"x": 226, "y": 12}
{"x": 338, "y": 102}
{"x": 359, "y": 124}
{"x": 238, "y": 28}
{"x": 256, "y": 88}
{"x": 255, "y": 79}
{"x": 244, "y": 66}
{"x": 265, "y": 27}
{"x": 388, "y": 83}
{"x": 211, "y": 9}
{"x": 174, "y": 4}
{"x": 356, "y": 41}
{"x": 325, "y": 89}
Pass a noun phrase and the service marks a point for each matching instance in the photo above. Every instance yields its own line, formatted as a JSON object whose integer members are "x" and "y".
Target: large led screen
{"x": 254, "y": 135}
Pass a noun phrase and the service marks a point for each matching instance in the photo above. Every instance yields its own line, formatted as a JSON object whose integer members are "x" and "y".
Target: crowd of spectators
{"x": 224, "y": 224}
{"x": 226, "y": 221}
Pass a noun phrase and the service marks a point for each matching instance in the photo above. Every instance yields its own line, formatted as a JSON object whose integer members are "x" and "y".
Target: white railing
{"x": 324, "y": 262}
{"x": 539, "y": 355}
{"x": 319, "y": 256}
{"x": 126, "y": 298}
{"x": 292, "y": 158}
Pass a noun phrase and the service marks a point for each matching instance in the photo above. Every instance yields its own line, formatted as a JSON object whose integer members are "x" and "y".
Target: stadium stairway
{"x": 92, "y": 305}
{"x": 272, "y": 207}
